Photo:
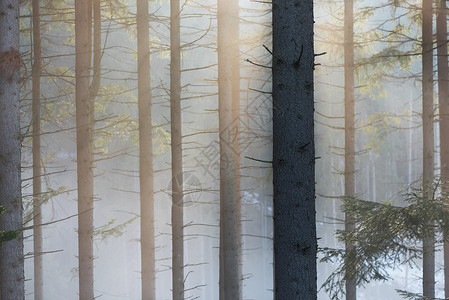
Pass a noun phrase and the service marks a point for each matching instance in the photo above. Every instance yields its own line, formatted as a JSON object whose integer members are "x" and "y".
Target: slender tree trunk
{"x": 146, "y": 154}
{"x": 410, "y": 150}
{"x": 235, "y": 56}
{"x": 96, "y": 78}
{"x": 229, "y": 241}
{"x": 351, "y": 292}
{"x": 11, "y": 254}
{"x": 428, "y": 141}
{"x": 84, "y": 133}
{"x": 443, "y": 96}
{"x": 295, "y": 243}
{"x": 177, "y": 218}
{"x": 37, "y": 173}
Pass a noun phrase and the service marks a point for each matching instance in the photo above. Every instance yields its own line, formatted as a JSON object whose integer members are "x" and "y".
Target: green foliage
{"x": 110, "y": 229}
{"x": 385, "y": 237}
{"x": 378, "y": 125}
{"x": 44, "y": 198}
{"x": 414, "y": 296}
{"x": 8, "y": 234}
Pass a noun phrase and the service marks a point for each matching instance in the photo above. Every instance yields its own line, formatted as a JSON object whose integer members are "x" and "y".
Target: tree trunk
{"x": 145, "y": 154}
{"x": 84, "y": 133}
{"x": 11, "y": 254}
{"x": 37, "y": 173}
{"x": 443, "y": 97}
{"x": 235, "y": 56}
{"x": 229, "y": 241}
{"x": 295, "y": 243}
{"x": 177, "y": 218}
{"x": 428, "y": 142}
{"x": 351, "y": 292}
{"x": 96, "y": 78}
{"x": 410, "y": 149}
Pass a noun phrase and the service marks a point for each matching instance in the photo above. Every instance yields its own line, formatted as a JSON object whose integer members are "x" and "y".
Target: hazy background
{"x": 388, "y": 143}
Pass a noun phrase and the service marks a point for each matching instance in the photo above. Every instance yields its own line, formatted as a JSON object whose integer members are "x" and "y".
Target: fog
{"x": 388, "y": 143}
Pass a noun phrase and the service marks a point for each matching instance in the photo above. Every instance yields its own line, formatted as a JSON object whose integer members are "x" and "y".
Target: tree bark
{"x": 84, "y": 133}
{"x": 235, "y": 56}
{"x": 177, "y": 217}
{"x": 96, "y": 47}
{"x": 351, "y": 292}
{"x": 11, "y": 254}
{"x": 145, "y": 154}
{"x": 295, "y": 243}
{"x": 428, "y": 141}
{"x": 229, "y": 280}
{"x": 37, "y": 173}
{"x": 443, "y": 97}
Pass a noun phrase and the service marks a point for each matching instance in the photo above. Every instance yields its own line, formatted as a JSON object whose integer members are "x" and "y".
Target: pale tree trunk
{"x": 86, "y": 93}
{"x": 96, "y": 77}
{"x": 11, "y": 254}
{"x": 177, "y": 216}
{"x": 37, "y": 173}
{"x": 295, "y": 244}
{"x": 351, "y": 292}
{"x": 443, "y": 97}
{"x": 428, "y": 141}
{"x": 84, "y": 134}
{"x": 147, "y": 246}
{"x": 229, "y": 281}
{"x": 235, "y": 56}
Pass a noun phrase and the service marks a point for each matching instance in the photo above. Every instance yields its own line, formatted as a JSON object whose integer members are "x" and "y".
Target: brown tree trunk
{"x": 37, "y": 173}
{"x": 177, "y": 217}
{"x": 84, "y": 133}
{"x": 428, "y": 142}
{"x": 11, "y": 254}
{"x": 295, "y": 243}
{"x": 351, "y": 292}
{"x": 229, "y": 281}
{"x": 147, "y": 244}
{"x": 96, "y": 78}
{"x": 235, "y": 56}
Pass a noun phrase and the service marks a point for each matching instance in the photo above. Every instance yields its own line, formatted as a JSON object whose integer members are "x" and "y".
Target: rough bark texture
{"x": 177, "y": 218}
{"x": 229, "y": 280}
{"x": 84, "y": 134}
{"x": 146, "y": 154}
{"x": 428, "y": 141}
{"x": 443, "y": 97}
{"x": 295, "y": 243}
{"x": 351, "y": 292}
{"x": 11, "y": 254}
{"x": 37, "y": 184}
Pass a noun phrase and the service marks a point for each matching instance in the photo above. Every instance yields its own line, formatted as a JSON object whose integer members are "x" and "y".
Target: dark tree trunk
{"x": 443, "y": 97}
{"x": 351, "y": 292}
{"x": 84, "y": 133}
{"x": 229, "y": 280}
{"x": 11, "y": 254}
{"x": 177, "y": 218}
{"x": 37, "y": 173}
{"x": 295, "y": 243}
{"x": 145, "y": 154}
{"x": 428, "y": 141}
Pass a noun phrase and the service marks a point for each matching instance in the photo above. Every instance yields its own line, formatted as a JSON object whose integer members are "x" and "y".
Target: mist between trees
{"x": 223, "y": 149}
